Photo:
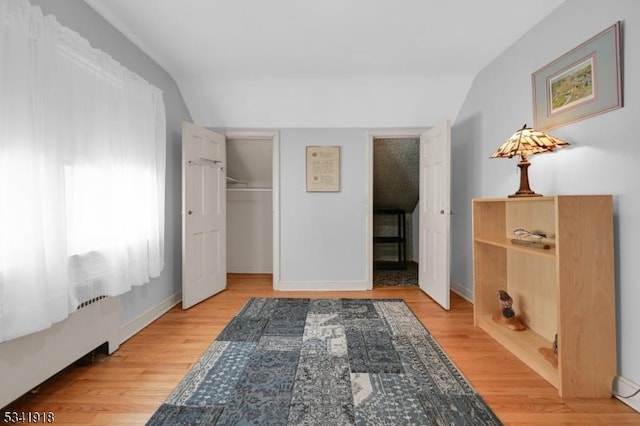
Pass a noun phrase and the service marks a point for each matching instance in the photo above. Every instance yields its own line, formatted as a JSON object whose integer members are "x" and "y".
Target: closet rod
{"x": 204, "y": 162}
{"x": 234, "y": 180}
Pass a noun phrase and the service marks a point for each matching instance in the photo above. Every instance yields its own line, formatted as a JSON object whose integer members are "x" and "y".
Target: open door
{"x": 435, "y": 209}
{"x": 204, "y": 263}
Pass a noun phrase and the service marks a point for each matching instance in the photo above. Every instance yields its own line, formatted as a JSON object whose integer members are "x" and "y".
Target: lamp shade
{"x": 526, "y": 142}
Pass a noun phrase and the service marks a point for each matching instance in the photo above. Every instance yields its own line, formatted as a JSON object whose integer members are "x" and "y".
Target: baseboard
{"x": 462, "y": 291}
{"x": 623, "y": 389}
{"x": 239, "y": 269}
{"x": 322, "y": 286}
{"x": 150, "y": 315}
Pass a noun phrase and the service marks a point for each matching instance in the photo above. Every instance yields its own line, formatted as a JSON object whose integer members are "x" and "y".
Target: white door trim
{"x": 275, "y": 172}
{"x": 378, "y": 134}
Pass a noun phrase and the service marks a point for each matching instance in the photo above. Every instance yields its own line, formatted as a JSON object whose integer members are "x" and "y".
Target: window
{"x": 82, "y": 169}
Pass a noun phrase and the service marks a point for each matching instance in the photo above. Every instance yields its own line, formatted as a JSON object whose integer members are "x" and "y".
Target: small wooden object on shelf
{"x": 530, "y": 239}
{"x": 551, "y": 354}
{"x": 532, "y": 244}
{"x": 507, "y": 316}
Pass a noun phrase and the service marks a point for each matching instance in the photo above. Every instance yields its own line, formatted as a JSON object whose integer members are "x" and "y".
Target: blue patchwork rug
{"x": 324, "y": 362}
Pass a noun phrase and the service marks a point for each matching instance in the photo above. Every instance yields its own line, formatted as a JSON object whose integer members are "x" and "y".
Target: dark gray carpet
{"x": 324, "y": 362}
{"x": 407, "y": 277}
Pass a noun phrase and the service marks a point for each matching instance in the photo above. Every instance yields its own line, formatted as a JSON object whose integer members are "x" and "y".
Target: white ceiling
{"x": 216, "y": 49}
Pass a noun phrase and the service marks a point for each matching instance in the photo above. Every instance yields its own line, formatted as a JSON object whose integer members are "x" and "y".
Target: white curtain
{"x": 82, "y": 169}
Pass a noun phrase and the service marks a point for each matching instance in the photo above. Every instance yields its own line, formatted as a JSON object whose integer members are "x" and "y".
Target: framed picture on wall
{"x": 323, "y": 168}
{"x": 581, "y": 83}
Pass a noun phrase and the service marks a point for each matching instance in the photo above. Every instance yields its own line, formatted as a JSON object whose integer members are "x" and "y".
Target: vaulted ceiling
{"x": 255, "y": 63}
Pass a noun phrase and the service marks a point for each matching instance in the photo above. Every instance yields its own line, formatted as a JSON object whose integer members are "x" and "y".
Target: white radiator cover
{"x": 28, "y": 361}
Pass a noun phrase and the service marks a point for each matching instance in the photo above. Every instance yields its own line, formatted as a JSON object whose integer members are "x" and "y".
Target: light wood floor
{"x": 128, "y": 386}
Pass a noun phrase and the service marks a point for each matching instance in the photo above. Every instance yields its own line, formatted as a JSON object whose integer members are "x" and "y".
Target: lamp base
{"x": 525, "y": 194}
{"x": 524, "y": 190}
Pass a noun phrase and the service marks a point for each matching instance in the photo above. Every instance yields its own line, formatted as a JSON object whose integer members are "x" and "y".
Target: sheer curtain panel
{"x": 82, "y": 173}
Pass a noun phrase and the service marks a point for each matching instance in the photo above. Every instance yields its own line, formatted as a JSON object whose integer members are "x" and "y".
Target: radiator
{"x": 28, "y": 361}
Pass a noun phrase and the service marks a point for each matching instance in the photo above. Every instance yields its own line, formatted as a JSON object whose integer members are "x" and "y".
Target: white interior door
{"x": 204, "y": 263}
{"x": 435, "y": 208}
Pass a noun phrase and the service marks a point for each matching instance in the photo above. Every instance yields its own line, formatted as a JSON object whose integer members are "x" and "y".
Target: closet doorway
{"x": 395, "y": 213}
{"x": 434, "y": 227}
{"x": 252, "y": 215}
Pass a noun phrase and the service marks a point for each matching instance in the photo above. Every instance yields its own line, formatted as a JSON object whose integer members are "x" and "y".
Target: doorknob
{"x": 190, "y": 212}
{"x": 441, "y": 211}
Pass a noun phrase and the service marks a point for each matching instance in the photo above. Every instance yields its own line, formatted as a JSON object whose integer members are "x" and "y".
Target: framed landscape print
{"x": 581, "y": 83}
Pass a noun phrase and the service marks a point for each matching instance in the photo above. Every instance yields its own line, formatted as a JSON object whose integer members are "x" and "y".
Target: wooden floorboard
{"x": 128, "y": 386}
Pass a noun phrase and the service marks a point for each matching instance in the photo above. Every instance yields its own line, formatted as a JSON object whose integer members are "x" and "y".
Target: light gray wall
{"x": 603, "y": 159}
{"x": 323, "y": 234}
{"x": 78, "y": 16}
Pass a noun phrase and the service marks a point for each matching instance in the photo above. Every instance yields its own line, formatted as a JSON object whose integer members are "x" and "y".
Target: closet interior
{"x": 249, "y": 206}
{"x": 395, "y": 210}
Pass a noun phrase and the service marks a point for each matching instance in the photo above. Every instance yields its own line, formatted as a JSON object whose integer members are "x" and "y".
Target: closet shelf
{"x": 248, "y": 189}
{"x": 236, "y": 181}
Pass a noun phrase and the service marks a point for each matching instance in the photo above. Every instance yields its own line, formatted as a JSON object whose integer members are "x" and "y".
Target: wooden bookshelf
{"x": 567, "y": 289}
